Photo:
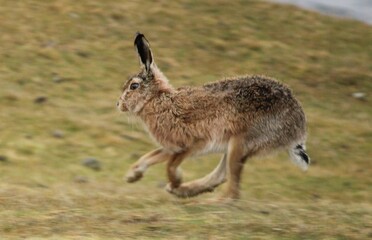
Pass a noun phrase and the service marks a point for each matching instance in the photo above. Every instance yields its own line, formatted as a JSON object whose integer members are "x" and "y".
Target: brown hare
{"x": 239, "y": 117}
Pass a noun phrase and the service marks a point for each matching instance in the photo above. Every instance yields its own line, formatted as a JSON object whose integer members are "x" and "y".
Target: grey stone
{"x": 3, "y": 158}
{"x": 81, "y": 179}
{"x": 57, "y": 79}
{"x": 40, "y": 99}
{"x": 58, "y": 133}
{"x": 92, "y": 163}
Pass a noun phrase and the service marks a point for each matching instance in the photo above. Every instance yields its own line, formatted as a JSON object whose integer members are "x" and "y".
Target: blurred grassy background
{"x": 61, "y": 67}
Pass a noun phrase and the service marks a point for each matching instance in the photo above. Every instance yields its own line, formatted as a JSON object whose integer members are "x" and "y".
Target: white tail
{"x": 299, "y": 156}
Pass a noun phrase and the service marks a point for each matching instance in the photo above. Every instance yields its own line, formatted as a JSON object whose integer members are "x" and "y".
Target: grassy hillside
{"x": 62, "y": 64}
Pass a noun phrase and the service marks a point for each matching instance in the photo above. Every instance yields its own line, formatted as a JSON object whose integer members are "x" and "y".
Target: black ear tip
{"x": 139, "y": 38}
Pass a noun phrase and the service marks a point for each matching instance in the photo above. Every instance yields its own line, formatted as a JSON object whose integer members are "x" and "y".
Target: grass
{"x": 78, "y": 53}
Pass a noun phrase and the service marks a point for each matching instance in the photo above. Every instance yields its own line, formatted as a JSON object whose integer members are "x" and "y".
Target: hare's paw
{"x": 134, "y": 174}
{"x": 180, "y": 191}
{"x": 188, "y": 190}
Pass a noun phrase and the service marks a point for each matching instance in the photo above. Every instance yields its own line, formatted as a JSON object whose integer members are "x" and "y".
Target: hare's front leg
{"x": 174, "y": 174}
{"x": 137, "y": 170}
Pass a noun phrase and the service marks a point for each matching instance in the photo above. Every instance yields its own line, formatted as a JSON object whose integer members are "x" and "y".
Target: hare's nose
{"x": 117, "y": 103}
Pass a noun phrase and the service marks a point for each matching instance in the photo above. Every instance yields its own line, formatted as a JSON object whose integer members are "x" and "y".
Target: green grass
{"x": 87, "y": 47}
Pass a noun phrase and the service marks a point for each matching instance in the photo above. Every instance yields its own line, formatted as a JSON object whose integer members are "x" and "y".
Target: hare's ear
{"x": 144, "y": 51}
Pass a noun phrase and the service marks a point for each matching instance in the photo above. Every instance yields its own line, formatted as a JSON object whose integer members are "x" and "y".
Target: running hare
{"x": 239, "y": 117}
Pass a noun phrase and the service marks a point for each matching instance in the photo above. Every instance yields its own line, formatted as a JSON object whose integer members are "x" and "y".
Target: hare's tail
{"x": 299, "y": 156}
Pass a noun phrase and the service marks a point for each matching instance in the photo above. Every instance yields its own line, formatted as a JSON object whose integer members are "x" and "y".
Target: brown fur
{"x": 240, "y": 116}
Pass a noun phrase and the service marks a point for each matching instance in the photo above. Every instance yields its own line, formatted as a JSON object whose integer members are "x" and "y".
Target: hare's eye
{"x": 134, "y": 86}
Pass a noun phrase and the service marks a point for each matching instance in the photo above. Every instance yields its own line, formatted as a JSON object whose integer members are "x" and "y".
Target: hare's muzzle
{"x": 121, "y": 106}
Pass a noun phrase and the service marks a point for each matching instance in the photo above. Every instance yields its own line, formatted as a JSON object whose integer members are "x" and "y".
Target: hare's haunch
{"x": 240, "y": 117}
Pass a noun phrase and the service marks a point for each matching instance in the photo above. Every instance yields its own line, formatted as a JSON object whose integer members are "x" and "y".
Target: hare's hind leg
{"x": 137, "y": 170}
{"x": 237, "y": 154}
{"x": 205, "y": 184}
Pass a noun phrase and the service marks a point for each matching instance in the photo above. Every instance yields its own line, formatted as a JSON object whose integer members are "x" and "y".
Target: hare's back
{"x": 254, "y": 94}
{"x": 263, "y": 108}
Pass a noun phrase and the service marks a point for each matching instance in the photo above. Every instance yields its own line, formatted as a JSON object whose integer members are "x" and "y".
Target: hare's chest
{"x": 169, "y": 137}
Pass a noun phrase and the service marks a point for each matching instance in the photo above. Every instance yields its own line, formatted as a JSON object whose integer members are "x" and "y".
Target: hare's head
{"x": 145, "y": 85}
